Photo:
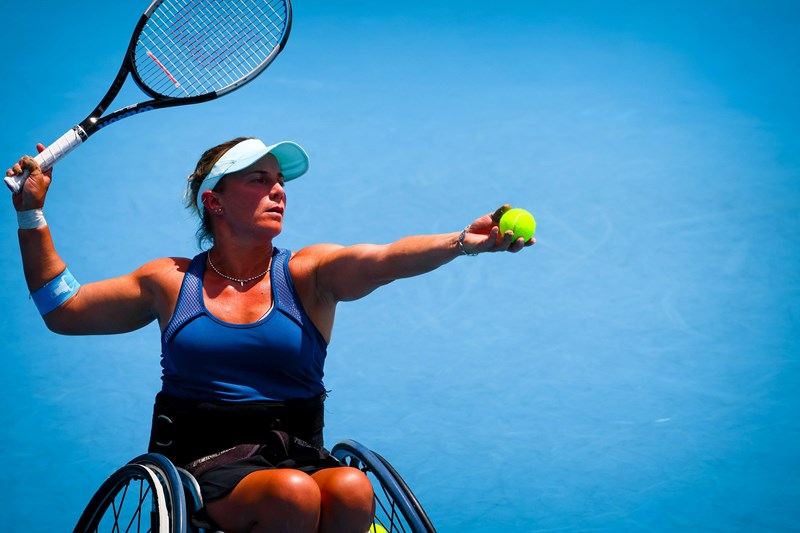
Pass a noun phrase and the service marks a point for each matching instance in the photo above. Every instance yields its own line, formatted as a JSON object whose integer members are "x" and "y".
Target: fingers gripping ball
{"x": 520, "y": 222}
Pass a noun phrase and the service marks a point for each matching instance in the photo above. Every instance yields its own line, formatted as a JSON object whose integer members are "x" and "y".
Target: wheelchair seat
{"x": 150, "y": 494}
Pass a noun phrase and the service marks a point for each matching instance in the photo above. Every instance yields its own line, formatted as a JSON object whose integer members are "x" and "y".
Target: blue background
{"x": 637, "y": 370}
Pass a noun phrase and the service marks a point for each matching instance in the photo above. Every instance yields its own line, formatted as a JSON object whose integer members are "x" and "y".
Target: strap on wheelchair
{"x": 185, "y": 430}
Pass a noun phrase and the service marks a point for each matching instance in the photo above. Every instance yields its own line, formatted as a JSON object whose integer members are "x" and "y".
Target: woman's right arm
{"x": 111, "y": 306}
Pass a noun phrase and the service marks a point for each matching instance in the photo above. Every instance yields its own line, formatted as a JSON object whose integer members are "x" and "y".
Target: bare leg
{"x": 270, "y": 501}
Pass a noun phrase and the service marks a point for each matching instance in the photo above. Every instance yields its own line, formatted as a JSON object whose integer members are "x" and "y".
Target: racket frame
{"x": 95, "y": 121}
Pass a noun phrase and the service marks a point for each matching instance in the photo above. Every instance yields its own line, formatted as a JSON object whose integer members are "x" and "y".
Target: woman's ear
{"x": 212, "y": 202}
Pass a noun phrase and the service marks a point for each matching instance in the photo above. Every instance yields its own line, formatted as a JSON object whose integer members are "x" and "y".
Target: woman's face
{"x": 254, "y": 198}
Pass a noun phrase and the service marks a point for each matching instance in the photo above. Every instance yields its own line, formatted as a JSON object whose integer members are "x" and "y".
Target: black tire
{"x": 173, "y": 489}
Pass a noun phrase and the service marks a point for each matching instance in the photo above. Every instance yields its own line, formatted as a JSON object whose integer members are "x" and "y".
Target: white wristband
{"x": 31, "y": 219}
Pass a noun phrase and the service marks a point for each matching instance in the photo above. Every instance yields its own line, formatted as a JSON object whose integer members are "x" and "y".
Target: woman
{"x": 245, "y": 328}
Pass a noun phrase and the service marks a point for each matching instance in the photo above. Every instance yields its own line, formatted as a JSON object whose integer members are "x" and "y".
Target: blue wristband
{"x": 55, "y": 292}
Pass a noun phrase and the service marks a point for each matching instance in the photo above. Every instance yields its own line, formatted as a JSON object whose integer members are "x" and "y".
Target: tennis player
{"x": 245, "y": 328}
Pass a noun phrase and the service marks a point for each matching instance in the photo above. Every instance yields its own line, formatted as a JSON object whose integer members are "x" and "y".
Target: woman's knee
{"x": 345, "y": 487}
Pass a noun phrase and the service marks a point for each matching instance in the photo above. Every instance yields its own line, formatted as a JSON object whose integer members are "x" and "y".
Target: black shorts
{"x": 218, "y": 474}
{"x": 286, "y": 434}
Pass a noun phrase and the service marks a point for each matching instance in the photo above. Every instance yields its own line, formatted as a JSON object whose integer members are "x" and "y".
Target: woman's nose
{"x": 277, "y": 192}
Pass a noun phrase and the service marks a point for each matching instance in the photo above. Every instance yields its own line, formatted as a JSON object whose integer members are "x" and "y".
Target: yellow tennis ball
{"x": 520, "y": 222}
{"x": 377, "y": 528}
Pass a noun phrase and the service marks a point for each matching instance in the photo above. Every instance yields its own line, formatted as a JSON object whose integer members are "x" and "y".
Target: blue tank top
{"x": 279, "y": 357}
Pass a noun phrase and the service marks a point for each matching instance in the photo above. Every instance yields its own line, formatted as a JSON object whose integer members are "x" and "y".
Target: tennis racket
{"x": 184, "y": 52}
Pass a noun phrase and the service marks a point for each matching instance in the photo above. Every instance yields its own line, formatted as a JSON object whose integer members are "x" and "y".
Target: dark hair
{"x": 205, "y": 233}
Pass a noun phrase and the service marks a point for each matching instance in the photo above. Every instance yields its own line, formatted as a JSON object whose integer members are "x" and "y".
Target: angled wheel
{"x": 131, "y": 499}
{"x": 396, "y": 507}
{"x": 172, "y": 484}
{"x": 194, "y": 501}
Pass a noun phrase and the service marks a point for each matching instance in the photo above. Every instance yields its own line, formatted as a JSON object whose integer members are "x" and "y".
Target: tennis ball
{"x": 377, "y": 528}
{"x": 520, "y": 222}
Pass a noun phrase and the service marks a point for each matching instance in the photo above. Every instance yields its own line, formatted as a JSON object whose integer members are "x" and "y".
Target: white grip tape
{"x": 51, "y": 155}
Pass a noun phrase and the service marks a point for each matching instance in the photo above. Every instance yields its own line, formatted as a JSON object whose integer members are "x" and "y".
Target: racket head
{"x": 200, "y": 49}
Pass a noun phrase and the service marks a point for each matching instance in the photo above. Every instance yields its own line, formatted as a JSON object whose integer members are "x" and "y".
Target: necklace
{"x": 237, "y": 280}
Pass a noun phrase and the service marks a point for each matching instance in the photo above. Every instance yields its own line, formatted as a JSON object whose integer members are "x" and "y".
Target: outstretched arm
{"x": 346, "y": 273}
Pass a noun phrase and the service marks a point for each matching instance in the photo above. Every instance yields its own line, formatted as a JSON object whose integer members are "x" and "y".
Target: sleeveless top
{"x": 279, "y": 357}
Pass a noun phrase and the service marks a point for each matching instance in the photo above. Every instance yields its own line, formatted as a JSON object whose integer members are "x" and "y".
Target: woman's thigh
{"x": 269, "y": 500}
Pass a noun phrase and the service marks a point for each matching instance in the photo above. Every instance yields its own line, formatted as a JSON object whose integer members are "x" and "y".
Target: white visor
{"x": 292, "y": 159}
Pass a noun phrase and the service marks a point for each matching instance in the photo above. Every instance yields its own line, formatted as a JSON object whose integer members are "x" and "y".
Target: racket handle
{"x": 51, "y": 155}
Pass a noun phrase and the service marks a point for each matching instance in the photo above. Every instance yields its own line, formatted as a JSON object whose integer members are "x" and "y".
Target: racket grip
{"x": 49, "y": 157}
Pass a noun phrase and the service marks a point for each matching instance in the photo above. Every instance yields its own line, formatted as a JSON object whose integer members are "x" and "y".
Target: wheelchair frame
{"x": 150, "y": 494}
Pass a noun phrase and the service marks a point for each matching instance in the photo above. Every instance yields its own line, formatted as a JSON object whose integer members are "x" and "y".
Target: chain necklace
{"x": 237, "y": 280}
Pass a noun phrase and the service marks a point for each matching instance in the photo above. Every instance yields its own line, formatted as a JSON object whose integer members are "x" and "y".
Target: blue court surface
{"x": 636, "y": 370}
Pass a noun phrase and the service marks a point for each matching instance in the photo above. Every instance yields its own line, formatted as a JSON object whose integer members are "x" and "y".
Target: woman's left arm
{"x": 345, "y": 273}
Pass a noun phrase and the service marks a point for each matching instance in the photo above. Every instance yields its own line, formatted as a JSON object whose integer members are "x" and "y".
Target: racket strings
{"x": 204, "y": 65}
{"x": 195, "y": 47}
{"x": 217, "y": 45}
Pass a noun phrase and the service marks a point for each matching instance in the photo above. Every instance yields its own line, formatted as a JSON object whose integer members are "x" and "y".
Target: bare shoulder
{"x": 312, "y": 256}
{"x": 163, "y": 275}
{"x": 313, "y": 260}
{"x": 304, "y": 265}
{"x": 164, "y": 266}
{"x": 161, "y": 279}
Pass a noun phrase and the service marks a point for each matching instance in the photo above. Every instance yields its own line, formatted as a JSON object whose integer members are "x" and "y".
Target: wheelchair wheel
{"x": 131, "y": 499}
{"x": 194, "y": 501}
{"x": 396, "y": 507}
{"x": 172, "y": 484}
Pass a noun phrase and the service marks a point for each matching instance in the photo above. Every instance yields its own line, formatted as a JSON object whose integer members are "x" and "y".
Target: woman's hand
{"x": 34, "y": 190}
{"x": 483, "y": 235}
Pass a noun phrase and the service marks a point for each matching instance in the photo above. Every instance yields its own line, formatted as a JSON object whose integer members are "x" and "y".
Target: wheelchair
{"x": 150, "y": 494}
